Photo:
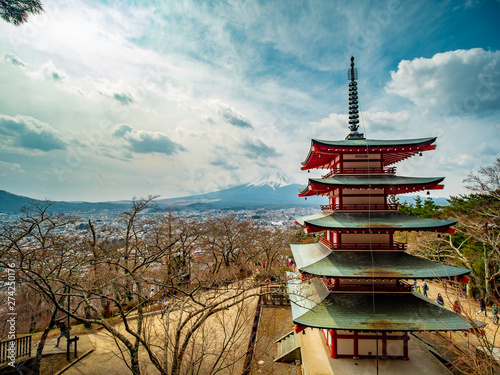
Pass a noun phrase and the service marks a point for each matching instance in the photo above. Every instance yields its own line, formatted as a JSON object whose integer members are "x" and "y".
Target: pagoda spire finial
{"x": 352, "y": 75}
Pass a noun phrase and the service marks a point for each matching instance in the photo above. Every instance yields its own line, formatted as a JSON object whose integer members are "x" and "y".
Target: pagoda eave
{"x": 318, "y": 260}
{"x": 460, "y": 279}
{"x": 313, "y": 306}
{"x": 368, "y": 222}
{"x": 412, "y": 189}
{"x": 322, "y": 153}
{"x": 324, "y": 187}
{"x": 311, "y": 228}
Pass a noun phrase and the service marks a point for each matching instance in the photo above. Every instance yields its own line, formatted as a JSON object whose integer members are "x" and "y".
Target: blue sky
{"x": 113, "y": 99}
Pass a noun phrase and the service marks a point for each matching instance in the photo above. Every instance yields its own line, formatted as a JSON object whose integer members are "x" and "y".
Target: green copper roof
{"x": 316, "y": 259}
{"x": 372, "y": 221}
{"x": 379, "y": 311}
{"x": 375, "y": 142}
{"x": 356, "y": 181}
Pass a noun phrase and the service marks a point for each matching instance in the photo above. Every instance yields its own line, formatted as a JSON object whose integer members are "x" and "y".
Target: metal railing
{"x": 10, "y": 350}
{"x": 275, "y": 295}
{"x": 395, "y": 246}
{"x": 360, "y": 207}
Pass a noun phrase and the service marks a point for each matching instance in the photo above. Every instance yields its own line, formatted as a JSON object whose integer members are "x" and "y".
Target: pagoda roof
{"x": 371, "y": 221}
{"x": 317, "y": 259}
{"x": 395, "y": 184}
{"x": 353, "y": 143}
{"x": 322, "y": 152}
{"x": 313, "y": 306}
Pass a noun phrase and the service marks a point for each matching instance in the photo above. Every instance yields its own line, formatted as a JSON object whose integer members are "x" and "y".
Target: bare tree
{"x": 204, "y": 331}
{"x": 269, "y": 245}
{"x": 487, "y": 181}
{"x": 226, "y": 239}
{"x": 59, "y": 266}
{"x": 470, "y": 352}
{"x": 39, "y": 253}
{"x": 476, "y": 243}
{"x": 100, "y": 277}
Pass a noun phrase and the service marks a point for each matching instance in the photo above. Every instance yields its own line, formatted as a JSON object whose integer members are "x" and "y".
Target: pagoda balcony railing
{"x": 375, "y": 287}
{"x": 391, "y": 170}
{"x": 395, "y": 246}
{"x": 359, "y": 207}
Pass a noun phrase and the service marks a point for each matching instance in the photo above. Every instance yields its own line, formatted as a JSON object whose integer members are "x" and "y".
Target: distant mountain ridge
{"x": 274, "y": 191}
{"x": 11, "y": 203}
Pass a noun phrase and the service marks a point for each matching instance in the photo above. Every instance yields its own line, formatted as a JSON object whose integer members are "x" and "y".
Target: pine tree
{"x": 18, "y": 11}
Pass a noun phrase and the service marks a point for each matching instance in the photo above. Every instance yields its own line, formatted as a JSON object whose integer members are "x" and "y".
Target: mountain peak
{"x": 275, "y": 180}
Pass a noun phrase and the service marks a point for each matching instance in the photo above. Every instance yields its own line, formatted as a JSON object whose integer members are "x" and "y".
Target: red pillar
{"x": 333, "y": 351}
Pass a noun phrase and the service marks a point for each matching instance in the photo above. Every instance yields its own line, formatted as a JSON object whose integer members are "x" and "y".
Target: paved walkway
{"x": 84, "y": 348}
{"x": 317, "y": 361}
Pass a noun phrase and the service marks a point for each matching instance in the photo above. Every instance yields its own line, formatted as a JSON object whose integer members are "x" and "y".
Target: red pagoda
{"x": 355, "y": 284}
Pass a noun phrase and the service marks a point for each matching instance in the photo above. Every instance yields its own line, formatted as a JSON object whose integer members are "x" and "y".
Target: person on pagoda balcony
{"x": 439, "y": 299}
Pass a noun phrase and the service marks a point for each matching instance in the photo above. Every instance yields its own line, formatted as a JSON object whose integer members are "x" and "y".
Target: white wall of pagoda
{"x": 361, "y": 161}
{"x": 357, "y": 344}
{"x": 362, "y": 196}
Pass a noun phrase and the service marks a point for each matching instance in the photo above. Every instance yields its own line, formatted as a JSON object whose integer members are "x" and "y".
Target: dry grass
{"x": 275, "y": 322}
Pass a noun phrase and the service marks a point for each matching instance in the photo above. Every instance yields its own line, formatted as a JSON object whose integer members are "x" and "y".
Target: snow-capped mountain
{"x": 273, "y": 190}
{"x": 276, "y": 180}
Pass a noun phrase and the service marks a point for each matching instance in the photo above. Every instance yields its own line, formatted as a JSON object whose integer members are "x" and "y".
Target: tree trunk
{"x": 32, "y": 323}
{"x": 87, "y": 311}
{"x": 134, "y": 361}
{"x": 41, "y": 344}
{"x": 488, "y": 292}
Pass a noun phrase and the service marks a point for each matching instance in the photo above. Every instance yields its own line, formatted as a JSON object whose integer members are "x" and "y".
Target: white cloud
{"x": 462, "y": 82}
{"x": 49, "y": 72}
{"x": 221, "y": 93}
{"x": 8, "y": 168}
{"x": 147, "y": 142}
{"x": 25, "y": 132}
{"x": 13, "y": 59}
{"x": 120, "y": 91}
{"x": 376, "y": 124}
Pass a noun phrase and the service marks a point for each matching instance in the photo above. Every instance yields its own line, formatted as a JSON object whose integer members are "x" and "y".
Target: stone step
{"x": 287, "y": 348}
